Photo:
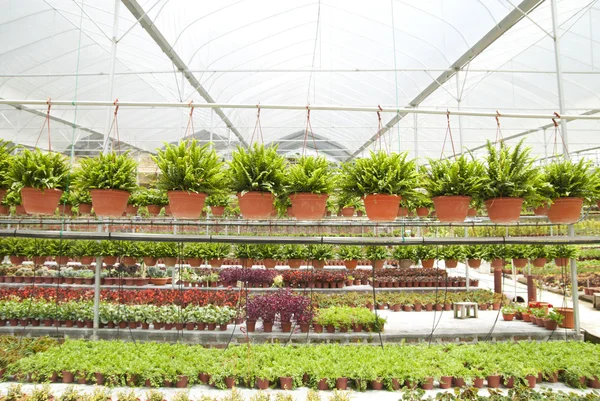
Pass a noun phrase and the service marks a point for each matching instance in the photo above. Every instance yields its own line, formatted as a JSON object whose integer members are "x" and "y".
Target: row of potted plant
{"x": 543, "y": 316}
{"x": 189, "y": 172}
{"x": 81, "y": 314}
{"x": 316, "y": 366}
{"x": 157, "y": 297}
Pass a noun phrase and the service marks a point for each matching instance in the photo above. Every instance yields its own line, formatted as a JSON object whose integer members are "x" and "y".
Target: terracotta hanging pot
{"x": 472, "y": 212}
{"x": 256, "y": 205}
{"x": 539, "y": 262}
{"x": 65, "y": 210}
{"x": 451, "y": 263}
{"x": 4, "y": 211}
{"x": 504, "y": 210}
{"x": 402, "y": 212}
{"x": 109, "y": 260}
{"x": 153, "y": 210}
{"x": 519, "y": 262}
{"x": 381, "y": 207}
{"x": 427, "y": 263}
{"x": 565, "y": 210}
{"x": 422, "y": 212}
{"x": 109, "y": 202}
{"x": 541, "y": 210}
{"x": 36, "y": 201}
{"x": 348, "y": 211}
{"x": 569, "y": 320}
{"x": 451, "y": 209}
{"x": 186, "y": 205}
{"x": 474, "y": 263}
{"x": 217, "y": 211}
{"x": 351, "y": 264}
{"x": 308, "y": 206}
{"x": 85, "y": 208}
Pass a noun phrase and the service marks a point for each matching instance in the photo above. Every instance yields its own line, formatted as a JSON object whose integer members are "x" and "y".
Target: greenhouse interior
{"x": 312, "y": 200}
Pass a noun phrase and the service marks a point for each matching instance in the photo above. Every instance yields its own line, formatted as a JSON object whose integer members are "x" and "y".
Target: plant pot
{"x": 478, "y": 382}
{"x": 229, "y": 382}
{"x": 541, "y": 210}
{"x": 504, "y": 210}
{"x": 36, "y": 201}
{"x": 128, "y": 260}
{"x": 426, "y": 384}
{"x": 519, "y": 263}
{"x": 382, "y": 207}
{"x": 286, "y": 383}
{"x": 348, "y": 211}
{"x": 565, "y": 210}
{"x": 256, "y": 205}
{"x": 474, "y": 263}
{"x": 211, "y": 326}
{"x": 472, "y": 212}
{"x": 561, "y": 262}
{"x": 531, "y": 380}
{"x": 304, "y": 327}
{"x": 262, "y": 384}
{"x": 194, "y": 262}
{"x": 85, "y": 208}
{"x": 186, "y": 205}
{"x": 130, "y": 210}
{"x": 377, "y": 384}
{"x": 568, "y": 321}
{"x": 458, "y": 382}
{"x": 39, "y": 260}
{"x": 217, "y": 211}
{"x": 593, "y": 382}
{"x": 451, "y": 263}
{"x": 445, "y": 382}
{"x": 508, "y": 316}
{"x": 509, "y": 382}
{"x": 294, "y": 263}
{"x": 269, "y": 263}
{"x": 286, "y": 327}
{"x": 341, "y": 383}
{"x": 99, "y": 378}
{"x": 422, "y": 212}
{"x": 153, "y": 210}
{"x": 493, "y": 381}
{"x": 308, "y": 206}
{"x": 351, "y": 264}
{"x": 109, "y": 202}
{"x": 250, "y": 325}
{"x": 427, "y": 263}
{"x": 150, "y": 261}
{"x": 451, "y": 209}
{"x": 322, "y": 385}
{"x": 497, "y": 263}
{"x": 267, "y": 326}
{"x": 170, "y": 261}
{"x": 67, "y": 377}
{"x": 330, "y": 328}
{"x": 402, "y": 212}
{"x": 539, "y": 262}
{"x": 109, "y": 260}
{"x": 317, "y": 328}
{"x": 182, "y": 382}
{"x": 16, "y": 260}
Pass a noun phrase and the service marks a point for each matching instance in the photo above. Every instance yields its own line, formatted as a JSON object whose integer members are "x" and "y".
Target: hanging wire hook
{"x": 499, "y": 137}
{"x": 190, "y": 120}
{"x": 257, "y": 126}
{"x": 448, "y": 134}
{"x": 309, "y": 126}
{"x": 46, "y": 121}
{"x": 557, "y": 132}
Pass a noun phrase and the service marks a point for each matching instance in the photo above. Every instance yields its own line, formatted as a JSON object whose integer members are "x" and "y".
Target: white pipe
{"x": 416, "y": 139}
{"x": 390, "y": 109}
{"x": 111, "y": 74}
{"x": 574, "y": 288}
{"x": 458, "y": 100}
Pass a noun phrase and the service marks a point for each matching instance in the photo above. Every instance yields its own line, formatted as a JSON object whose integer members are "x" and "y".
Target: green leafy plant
{"x": 259, "y": 168}
{"x": 510, "y": 172}
{"x": 568, "y": 179}
{"x": 218, "y": 199}
{"x": 37, "y": 169}
{"x": 107, "y": 171}
{"x": 374, "y": 252}
{"x": 190, "y": 167}
{"x": 311, "y": 174}
{"x": 350, "y": 252}
{"x": 321, "y": 252}
{"x": 5, "y": 162}
{"x": 381, "y": 173}
{"x": 460, "y": 176}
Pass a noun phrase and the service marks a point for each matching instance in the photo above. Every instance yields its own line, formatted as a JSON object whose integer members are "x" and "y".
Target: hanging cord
{"x": 46, "y": 122}
{"x": 381, "y": 137}
{"x": 558, "y": 132}
{"x": 448, "y": 133}
{"x": 257, "y": 127}
{"x": 306, "y": 131}
{"x": 190, "y": 121}
{"x": 115, "y": 125}
{"x": 499, "y": 137}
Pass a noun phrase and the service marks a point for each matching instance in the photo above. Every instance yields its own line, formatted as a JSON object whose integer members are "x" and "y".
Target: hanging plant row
{"x": 504, "y": 181}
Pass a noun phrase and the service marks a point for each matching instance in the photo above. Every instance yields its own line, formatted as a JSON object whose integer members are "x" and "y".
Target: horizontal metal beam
{"x": 386, "y": 241}
{"x": 366, "y": 109}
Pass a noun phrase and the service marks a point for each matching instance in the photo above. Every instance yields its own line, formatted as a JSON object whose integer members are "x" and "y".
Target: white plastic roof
{"x": 61, "y": 49}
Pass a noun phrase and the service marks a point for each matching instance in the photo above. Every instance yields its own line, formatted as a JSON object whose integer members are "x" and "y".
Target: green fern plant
{"x": 510, "y": 172}
{"x": 40, "y": 170}
{"x": 461, "y": 176}
{"x": 569, "y": 179}
{"x": 107, "y": 171}
{"x": 259, "y": 168}
{"x": 5, "y": 162}
{"x": 381, "y": 173}
{"x": 189, "y": 166}
{"x": 311, "y": 174}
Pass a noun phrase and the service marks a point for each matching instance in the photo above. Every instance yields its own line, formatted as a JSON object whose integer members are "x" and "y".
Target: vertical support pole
{"x": 212, "y": 112}
{"x": 561, "y": 94}
{"x": 458, "y": 100}
{"x": 498, "y": 280}
{"x": 111, "y": 72}
{"x": 531, "y": 292}
{"x": 574, "y": 287}
{"x": 468, "y": 284}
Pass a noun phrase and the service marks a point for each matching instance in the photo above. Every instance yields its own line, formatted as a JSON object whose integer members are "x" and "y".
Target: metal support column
{"x": 416, "y": 139}
{"x": 111, "y": 72}
{"x": 563, "y": 127}
{"x": 97, "y": 274}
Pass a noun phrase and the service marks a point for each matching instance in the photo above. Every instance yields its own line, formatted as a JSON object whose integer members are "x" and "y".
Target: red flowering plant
{"x": 297, "y": 278}
{"x": 325, "y": 276}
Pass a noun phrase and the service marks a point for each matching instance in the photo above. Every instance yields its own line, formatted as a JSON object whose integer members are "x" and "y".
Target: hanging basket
{"x": 451, "y": 209}
{"x": 382, "y": 207}
{"x": 109, "y": 202}
{"x": 347, "y": 211}
{"x": 472, "y": 212}
{"x": 504, "y": 210}
{"x": 422, "y": 212}
{"x": 565, "y": 210}
{"x": 308, "y": 206}
{"x": 36, "y": 201}
{"x": 538, "y": 262}
{"x": 85, "y": 208}
{"x": 541, "y": 210}
{"x": 402, "y": 212}
{"x": 186, "y": 205}
{"x": 256, "y": 205}
{"x": 217, "y": 211}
